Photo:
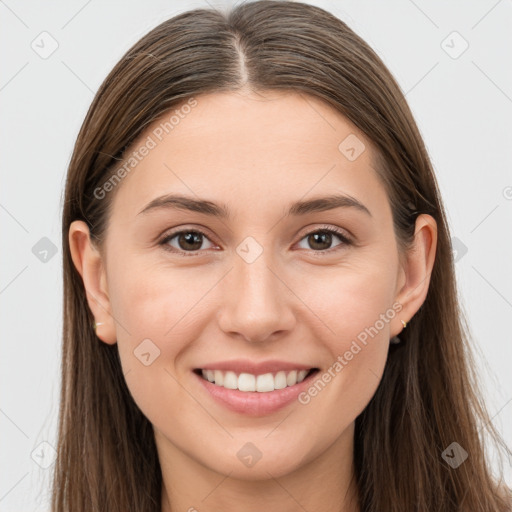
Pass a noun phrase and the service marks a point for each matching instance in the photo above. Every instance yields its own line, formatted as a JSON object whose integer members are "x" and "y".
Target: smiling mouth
{"x": 248, "y": 382}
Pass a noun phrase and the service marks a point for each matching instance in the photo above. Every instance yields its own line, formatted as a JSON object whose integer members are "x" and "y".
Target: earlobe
{"x": 419, "y": 262}
{"x": 89, "y": 264}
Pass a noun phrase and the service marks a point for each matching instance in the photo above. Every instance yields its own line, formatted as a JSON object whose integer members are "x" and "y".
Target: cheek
{"x": 150, "y": 312}
{"x": 154, "y": 325}
{"x": 351, "y": 298}
{"x": 355, "y": 308}
{"x": 154, "y": 302}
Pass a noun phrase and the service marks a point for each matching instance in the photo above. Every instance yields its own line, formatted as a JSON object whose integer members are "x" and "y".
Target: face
{"x": 270, "y": 281}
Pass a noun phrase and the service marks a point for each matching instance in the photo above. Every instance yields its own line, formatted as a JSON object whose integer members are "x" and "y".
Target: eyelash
{"x": 165, "y": 245}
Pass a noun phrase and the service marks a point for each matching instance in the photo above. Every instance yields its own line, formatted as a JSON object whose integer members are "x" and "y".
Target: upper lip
{"x": 255, "y": 368}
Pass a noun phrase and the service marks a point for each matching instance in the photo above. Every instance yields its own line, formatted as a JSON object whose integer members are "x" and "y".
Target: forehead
{"x": 271, "y": 146}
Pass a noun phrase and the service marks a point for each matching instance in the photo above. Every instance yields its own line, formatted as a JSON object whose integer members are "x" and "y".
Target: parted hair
{"x": 428, "y": 396}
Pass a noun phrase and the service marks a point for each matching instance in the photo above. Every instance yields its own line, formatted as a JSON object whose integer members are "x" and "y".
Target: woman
{"x": 260, "y": 302}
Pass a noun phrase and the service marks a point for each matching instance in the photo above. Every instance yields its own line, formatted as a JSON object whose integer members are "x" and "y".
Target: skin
{"x": 256, "y": 153}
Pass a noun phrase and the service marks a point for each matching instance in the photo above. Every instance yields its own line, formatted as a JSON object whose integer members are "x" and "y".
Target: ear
{"x": 416, "y": 271}
{"x": 88, "y": 262}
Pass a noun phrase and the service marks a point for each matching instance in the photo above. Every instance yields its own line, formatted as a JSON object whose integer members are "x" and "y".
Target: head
{"x": 261, "y": 114}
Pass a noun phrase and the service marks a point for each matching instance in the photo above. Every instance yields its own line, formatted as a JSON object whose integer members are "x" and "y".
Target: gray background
{"x": 462, "y": 104}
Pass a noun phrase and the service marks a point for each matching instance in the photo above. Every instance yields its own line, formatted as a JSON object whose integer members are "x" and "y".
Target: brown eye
{"x": 187, "y": 241}
{"x": 321, "y": 240}
{"x": 190, "y": 241}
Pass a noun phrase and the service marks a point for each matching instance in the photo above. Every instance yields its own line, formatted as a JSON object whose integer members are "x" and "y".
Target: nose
{"x": 257, "y": 303}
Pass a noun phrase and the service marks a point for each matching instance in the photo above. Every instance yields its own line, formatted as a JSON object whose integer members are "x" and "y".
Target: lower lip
{"x": 254, "y": 403}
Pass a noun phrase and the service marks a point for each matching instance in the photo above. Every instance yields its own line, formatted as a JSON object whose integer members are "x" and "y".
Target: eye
{"x": 321, "y": 240}
{"x": 191, "y": 241}
{"x": 187, "y": 241}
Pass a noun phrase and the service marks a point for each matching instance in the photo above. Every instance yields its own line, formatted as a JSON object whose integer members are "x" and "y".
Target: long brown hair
{"x": 428, "y": 396}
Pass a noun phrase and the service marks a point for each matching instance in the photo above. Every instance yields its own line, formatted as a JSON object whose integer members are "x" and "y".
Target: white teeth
{"x": 291, "y": 378}
{"x": 218, "y": 377}
{"x": 280, "y": 380}
{"x": 248, "y": 382}
{"x": 230, "y": 380}
{"x": 264, "y": 383}
{"x": 301, "y": 375}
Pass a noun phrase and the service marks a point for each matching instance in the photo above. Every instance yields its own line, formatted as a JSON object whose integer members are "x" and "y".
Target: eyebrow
{"x": 320, "y": 204}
